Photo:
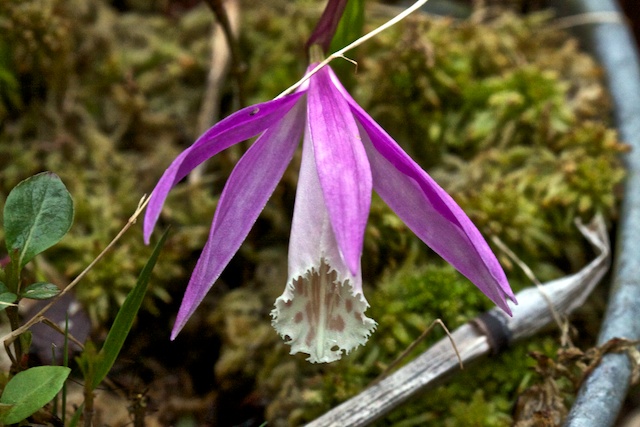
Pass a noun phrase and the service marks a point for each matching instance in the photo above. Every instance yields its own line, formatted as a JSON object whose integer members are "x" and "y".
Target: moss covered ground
{"x": 503, "y": 110}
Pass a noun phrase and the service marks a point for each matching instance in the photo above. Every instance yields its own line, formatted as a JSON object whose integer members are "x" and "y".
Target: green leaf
{"x": 40, "y": 290}
{"x": 76, "y": 416}
{"x": 25, "y": 339}
{"x": 350, "y": 25}
{"x": 125, "y": 317}
{"x": 88, "y": 360}
{"x": 6, "y": 297}
{"x": 37, "y": 214}
{"x": 30, "y": 390}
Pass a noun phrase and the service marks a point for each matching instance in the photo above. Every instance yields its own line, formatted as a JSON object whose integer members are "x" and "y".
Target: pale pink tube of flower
{"x": 345, "y": 154}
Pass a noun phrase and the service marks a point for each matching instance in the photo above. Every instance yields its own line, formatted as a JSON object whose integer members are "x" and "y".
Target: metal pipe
{"x": 603, "y": 30}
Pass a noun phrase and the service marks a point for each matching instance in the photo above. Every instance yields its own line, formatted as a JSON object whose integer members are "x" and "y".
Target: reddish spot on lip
{"x": 349, "y": 306}
{"x": 337, "y": 324}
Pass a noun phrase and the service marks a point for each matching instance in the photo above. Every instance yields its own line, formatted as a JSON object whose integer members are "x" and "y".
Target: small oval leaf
{"x": 30, "y": 390}
{"x": 7, "y": 299}
{"x": 37, "y": 214}
{"x": 40, "y": 290}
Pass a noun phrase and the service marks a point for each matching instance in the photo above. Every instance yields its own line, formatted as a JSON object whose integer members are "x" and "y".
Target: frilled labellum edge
{"x": 322, "y": 316}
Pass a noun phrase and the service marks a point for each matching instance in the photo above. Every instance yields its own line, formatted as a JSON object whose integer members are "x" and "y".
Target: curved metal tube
{"x": 611, "y": 42}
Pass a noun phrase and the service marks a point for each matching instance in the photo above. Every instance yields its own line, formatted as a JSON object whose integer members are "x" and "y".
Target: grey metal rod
{"x": 605, "y": 33}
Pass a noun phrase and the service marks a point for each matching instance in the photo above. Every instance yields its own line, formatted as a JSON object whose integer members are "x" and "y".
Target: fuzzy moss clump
{"x": 34, "y": 51}
{"x": 105, "y": 99}
{"x": 510, "y": 117}
{"x": 407, "y": 302}
{"x": 273, "y": 66}
{"x": 505, "y": 113}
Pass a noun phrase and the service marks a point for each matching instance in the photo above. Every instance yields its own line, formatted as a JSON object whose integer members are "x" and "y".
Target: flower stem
{"x": 238, "y": 67}
{"x": 340, "y": 53}
{"x": 327, "y": 25}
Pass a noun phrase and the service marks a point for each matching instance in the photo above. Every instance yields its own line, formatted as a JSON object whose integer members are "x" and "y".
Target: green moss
{"x": 36, "y": 49}
{"x": 285, "y": 28}
{"x": 119, "y": 93}
{"x": 515, "y": 130}
{"x": 404, "y": 304}
{"x": 505, "y": 113}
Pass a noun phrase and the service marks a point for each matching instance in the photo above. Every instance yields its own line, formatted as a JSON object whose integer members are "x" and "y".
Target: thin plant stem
{"x": 16, "y": 356}
{"x": 65, "y": 363}
{"x": 340, "y": 53}
{"x": 65, "y": 333}
{"x": 88, "y": 405}
{"x": 237, "y": 66}
{"x": 588, "y": 18}
{"x": 413, "y": 345}
{"x": 529, "y": 273}
{"x": 39, "y": 316}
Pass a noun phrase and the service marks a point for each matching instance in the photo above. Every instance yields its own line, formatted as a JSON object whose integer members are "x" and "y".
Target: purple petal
{"x": 239, "y": 126}
{"x": 343, "y": 168}
{"x": 321, "y": 311}
{"x": 245, "y": 194}
{"x": 432, "y": 214}
{"x": 428, "y": 210}
{"x": 312, "y": 237}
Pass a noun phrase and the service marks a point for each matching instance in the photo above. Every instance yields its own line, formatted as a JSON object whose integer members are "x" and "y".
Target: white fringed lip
{"x": 321, "y": 315}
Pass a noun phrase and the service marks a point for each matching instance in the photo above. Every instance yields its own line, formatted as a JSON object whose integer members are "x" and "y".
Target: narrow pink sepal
{"x": 342, "y": 165}
{"x": 244, "y": 196}
{"x": 312, "y": 237}
{"x": 428, "y": 210}
{"x": 240, "y": 126}
{"x": 432, "y": 214}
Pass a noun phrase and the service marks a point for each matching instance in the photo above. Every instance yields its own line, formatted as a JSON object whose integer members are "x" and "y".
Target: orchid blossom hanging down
{"x": 345, "y": 155}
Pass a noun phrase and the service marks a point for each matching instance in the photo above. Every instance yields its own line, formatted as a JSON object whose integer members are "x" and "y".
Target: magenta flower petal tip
{"x": 345, "y": 155}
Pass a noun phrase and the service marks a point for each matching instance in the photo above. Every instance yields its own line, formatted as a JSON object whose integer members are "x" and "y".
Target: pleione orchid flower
{"x": 345, "y": 155}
